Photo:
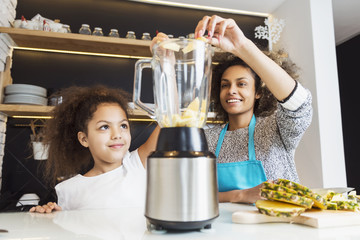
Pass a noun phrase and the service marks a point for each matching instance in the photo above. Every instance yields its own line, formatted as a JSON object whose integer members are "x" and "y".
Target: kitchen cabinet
{"x": 78, "y": 44}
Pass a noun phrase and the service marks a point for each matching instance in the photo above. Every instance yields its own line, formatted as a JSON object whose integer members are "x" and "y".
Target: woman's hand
{"x": 250, "y": 195}
{"x": 159, "y": 38}
{"x": 222, "y": 33}
{"x": 47, "y": 208}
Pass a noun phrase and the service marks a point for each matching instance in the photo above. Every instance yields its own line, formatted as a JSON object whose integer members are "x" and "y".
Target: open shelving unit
{"x": 72, "y": 43}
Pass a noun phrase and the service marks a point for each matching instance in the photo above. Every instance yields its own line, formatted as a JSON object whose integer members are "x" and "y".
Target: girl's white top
{"x": 123, "y": 186}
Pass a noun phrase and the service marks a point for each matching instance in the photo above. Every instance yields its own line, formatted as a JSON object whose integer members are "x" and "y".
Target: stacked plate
{"x": 25, "y": 94}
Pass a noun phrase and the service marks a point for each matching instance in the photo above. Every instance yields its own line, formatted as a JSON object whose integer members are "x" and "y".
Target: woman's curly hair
{"x": 67, "y": 156}
{"x": 267, "y": 103}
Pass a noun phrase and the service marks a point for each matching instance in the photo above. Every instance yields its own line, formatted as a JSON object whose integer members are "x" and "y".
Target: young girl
{"x": 90, "y": 134}
{"x": 266, "y": 113}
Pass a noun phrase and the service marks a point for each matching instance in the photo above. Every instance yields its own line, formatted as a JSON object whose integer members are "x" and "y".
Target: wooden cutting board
{"x": 313, "y": 218}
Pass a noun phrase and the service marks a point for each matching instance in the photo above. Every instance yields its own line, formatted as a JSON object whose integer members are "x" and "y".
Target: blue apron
{"x": 240, "y": 175}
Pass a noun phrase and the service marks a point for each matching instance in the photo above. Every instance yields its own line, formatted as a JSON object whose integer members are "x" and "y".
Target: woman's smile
{"x": 234, "y": 100}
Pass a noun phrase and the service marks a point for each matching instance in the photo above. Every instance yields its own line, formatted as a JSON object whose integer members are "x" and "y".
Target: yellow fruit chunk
{"x": 278, "y": 209}
{"x": 171, "y": 46}
{"x": 190, "y": 47}
{"x": 189, "y": 118}
{"x": 202, "y": 39}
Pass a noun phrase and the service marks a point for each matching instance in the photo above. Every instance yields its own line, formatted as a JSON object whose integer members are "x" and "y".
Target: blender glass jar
{"x": 181, "y": 82}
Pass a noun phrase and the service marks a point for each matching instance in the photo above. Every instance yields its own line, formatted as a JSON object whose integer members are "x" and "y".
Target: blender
{"x": 182, "y": 191}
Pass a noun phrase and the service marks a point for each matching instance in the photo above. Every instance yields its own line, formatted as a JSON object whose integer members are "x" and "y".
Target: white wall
{"x": 308, "y": 37}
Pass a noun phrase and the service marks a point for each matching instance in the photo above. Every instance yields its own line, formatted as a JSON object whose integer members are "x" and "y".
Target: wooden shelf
{"x": 25, "y": 110}
{"x": 73, "y": 42}
{"x": 82, "y": 43}
{"x": 45, "y": 111}
{"x": 77, "y": 42}
{"x": 34, "y": 111}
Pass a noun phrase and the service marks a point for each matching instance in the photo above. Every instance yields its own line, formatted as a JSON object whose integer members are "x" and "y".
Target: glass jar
{"x": 98, "y": 32}
{"x": 85, "y": 29}
{"x": 190, "y": 36}
{"x": 66, "y": 28}
{"x": 131, "y": 35}
{"x": 146, "y": 36}
{"x": 114, "y": 33}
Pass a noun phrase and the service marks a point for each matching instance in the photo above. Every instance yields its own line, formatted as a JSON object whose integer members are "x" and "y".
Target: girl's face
{"x": 108, "y": 137}
{"x": 237, "y": 90}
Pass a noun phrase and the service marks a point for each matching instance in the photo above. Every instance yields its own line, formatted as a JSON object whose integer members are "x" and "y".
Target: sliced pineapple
{"x": 352, "y": 196}
{"x": 189, "y": 118}
{"x": 319, "y": 201}
{"x": 204, "y": 39}
{"x": 329, "y": 195}
{"x": 347, "y": 205}
{"x": 344, "y": 202}
{"x": 331, "y": 206}
{"x": 287, "y": 197}
{"x": 278, "y": 209}
{"x": 277, "y": 187}
{"x": 293, "y": 185}
{"x": 189, "y": 48}
{"x": 172, "y": 46}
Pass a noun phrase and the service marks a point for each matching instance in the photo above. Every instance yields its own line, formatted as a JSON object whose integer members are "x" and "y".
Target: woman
{"x": 266, "y": 113}
{"x": 265, "y": 110}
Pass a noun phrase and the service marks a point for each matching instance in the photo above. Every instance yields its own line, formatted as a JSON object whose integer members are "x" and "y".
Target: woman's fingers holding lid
{"x": 202, "y": 27}
{"x": 158, "y": 38}
{"x": 213, "y": 25}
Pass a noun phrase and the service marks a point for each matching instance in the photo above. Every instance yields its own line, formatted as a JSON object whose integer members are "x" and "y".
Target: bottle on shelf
{"x": 114, "y": 33}
{"x": 85, "y": 29}
{"x": 146, "y": 36}
{"x": 98, "y": 32}
{"x": 131, "y": 35}
{"x": 66, "y": 28}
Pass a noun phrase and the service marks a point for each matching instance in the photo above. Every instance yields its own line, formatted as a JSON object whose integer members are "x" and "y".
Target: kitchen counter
{"x": 130, "y": 223}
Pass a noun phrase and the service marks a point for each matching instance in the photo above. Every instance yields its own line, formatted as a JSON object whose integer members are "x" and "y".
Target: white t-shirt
{"x": 123, "y": 186}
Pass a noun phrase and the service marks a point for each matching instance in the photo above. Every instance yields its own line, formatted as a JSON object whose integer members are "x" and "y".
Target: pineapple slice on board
{"x": 287, "y": 197}
{"x": 329, "y": 195}
{"x": 293, "y": 185}
{"x": 347, "y": 205}
{"x": 319, "y": 201}
{"x": 343, "y": 202}
{"x": 279, "y": 209}
{"x": 277, "y": 187}
{"x": 331, "y": 206}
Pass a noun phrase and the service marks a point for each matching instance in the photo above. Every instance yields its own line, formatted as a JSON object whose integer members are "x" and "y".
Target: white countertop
{"x": 128, "y": 223}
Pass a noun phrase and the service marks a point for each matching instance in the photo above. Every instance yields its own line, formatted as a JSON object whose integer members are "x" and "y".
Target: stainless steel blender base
{"x": 161, "y": 226}
{"x": 181, "y": 191}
